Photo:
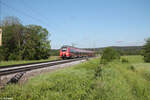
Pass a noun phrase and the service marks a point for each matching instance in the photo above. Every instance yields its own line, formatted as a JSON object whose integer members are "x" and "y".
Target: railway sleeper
{"x": 16, "y": 78}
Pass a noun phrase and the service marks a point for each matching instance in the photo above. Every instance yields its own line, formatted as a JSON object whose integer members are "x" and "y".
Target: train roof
{"x": 67, "y": 46}
{"x": 78, "y": 49}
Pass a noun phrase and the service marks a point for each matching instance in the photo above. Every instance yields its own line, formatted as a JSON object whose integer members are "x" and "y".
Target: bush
{"x": 1, "y": 55}
{"x": 98, "y": 71}
{"x": 103, "y": 61}
{"x": 14, "y": 56}
{"x": 123, "y": 60}
{"x": 132, "y": 68}
{"x": 146, "y": 51}
{"x": 110, "y": 54}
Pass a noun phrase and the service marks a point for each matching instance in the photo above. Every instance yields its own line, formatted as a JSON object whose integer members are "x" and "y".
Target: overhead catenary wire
{"x": 32, "y": 10}
{"x": 23, "y": 13}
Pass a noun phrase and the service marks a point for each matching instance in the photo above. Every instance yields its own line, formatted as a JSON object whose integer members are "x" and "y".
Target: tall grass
{"x": 115, "y": 81}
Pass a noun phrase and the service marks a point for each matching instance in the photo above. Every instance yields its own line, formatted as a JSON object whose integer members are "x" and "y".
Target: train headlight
{"x": 67, "y": 53}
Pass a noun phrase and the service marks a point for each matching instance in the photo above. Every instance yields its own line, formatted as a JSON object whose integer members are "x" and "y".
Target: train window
{"x": 64, "y": 49}
{"x": 72, "y": 51}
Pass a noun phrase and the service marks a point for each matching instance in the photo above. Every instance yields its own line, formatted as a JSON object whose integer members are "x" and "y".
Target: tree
{"x": 36, "y": 44}
{"x": 54, "y": 52}
{"x": 23, "y": 42}
{"x": 146, "y": 51}
{"x": 12, "y": 35}
{"x": 110, "y": 54}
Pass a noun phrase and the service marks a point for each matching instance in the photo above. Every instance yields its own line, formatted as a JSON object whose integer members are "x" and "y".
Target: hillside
{"x": 124, "y": 50}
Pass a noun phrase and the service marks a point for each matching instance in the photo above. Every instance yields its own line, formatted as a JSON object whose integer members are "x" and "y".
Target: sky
{"x": 85, "y": 23}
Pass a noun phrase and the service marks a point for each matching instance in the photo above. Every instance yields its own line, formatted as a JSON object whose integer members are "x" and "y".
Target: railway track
{"x": 28, "y": 67}
{"x": 15, "y": 65}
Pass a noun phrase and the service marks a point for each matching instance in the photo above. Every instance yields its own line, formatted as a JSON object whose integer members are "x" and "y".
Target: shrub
{"x": 103, "y": 61}
{"x": 98, "y": 71}
{"x": 14, "y": 56}
{"x": 132, "y": 68}
{"x": 123, "y": 60}
{"x": 110, "y": 54}
{"x": 146, "y": 51}
{"x": 1, "y": 55}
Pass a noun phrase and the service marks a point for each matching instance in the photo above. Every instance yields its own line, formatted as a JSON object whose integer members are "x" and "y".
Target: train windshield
{"x": 63, "y": 49}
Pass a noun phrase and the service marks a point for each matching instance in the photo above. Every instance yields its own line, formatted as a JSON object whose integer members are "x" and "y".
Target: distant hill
{"x": 123, "y": 50}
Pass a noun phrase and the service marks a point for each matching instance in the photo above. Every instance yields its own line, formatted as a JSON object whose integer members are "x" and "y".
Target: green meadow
{"x": 117, "y": 80}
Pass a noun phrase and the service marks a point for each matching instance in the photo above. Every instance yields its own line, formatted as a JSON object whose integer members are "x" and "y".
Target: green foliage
{"x": 23, "y": 42}
{"x": 131, "y": 50}
{"x": 1, "y": 54}
{"x": 124, "y": 60}
{"x": 103, "y": 61}
{"x": 132, "y": 68}
{"x": 13, "y": 56}
{"x": 110, "y": 54}
{"x": 98, "y": 71}
{"x": 54, "y": 52}
{"x": 146, "y": 51}
{"x": 37, "y": 44}
{"x": 122, "y": 50}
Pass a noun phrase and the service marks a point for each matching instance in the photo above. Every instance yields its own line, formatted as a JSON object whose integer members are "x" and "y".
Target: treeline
{"x": 55, "y": 52}
{"x": 125, "y": 50}
{"x": 21, "y": 42}
{"x": 129, "y": 50}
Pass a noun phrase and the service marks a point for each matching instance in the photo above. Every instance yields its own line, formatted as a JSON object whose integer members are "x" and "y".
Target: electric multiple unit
{"x": 73, "y": 52}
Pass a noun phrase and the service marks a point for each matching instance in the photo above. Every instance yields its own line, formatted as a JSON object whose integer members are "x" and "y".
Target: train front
{"x": 64, "y": 52}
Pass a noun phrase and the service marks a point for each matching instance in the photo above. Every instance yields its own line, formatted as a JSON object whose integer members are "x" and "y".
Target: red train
{"x": 72, "y": 52}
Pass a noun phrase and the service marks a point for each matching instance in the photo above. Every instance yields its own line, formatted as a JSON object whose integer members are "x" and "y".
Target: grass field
{"x": 116, "y": 81}
{"x": 5, "y": 63}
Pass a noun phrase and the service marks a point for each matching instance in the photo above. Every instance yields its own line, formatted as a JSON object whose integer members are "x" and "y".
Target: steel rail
{"x": 7, "y": 71}
{"x": 15, "y": 65}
